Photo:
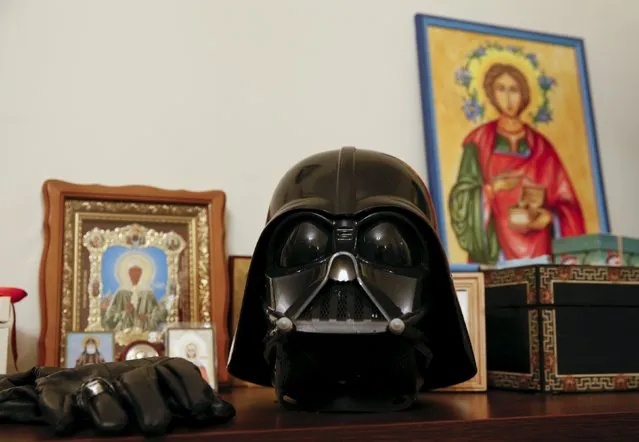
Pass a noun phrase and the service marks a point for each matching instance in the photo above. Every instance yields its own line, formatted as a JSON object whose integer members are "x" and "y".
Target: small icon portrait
{"x": 198, "y": 347}
{"x": 89, "y": 348}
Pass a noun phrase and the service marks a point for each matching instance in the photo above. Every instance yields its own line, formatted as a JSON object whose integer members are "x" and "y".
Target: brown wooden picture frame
{"x": 473, "y": 284}
{"x": 208, "y": 210}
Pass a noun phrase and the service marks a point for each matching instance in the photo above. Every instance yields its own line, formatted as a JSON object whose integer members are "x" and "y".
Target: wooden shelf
{"x": 497, "y": 415}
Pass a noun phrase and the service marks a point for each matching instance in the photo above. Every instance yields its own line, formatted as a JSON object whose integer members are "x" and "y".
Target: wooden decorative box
{"x": 561, "y": 328}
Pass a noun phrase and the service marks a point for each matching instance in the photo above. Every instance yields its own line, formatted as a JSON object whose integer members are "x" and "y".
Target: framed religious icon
{"x": 130, "y": 260}
{"x": 238, "y": 268}
{"x": 511, "y": 144}
{"x": 196, "y": 345}
{"x": 89, "y": 348}
{"x": 470, "y": 293}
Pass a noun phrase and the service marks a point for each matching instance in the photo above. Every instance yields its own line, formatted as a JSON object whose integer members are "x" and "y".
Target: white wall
{"x": 226, "y": 94}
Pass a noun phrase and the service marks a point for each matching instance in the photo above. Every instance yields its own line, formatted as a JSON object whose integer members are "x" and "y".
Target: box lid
{"x": 562, "y": 285}
{"x": 630, "y": 245}
{"x": 581, "y": 243}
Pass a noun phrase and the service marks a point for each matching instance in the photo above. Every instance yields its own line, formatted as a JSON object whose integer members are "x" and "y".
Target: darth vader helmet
{"x": 349, "y": 303}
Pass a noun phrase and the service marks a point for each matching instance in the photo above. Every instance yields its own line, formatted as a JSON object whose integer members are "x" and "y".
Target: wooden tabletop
{"x": 497, "y": 415}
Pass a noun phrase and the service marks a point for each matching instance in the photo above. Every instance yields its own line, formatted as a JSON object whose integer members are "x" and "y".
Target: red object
{"x": 16, "y": 295}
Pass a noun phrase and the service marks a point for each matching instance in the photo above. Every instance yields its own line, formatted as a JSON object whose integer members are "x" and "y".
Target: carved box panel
{"x": 561, "y": 328}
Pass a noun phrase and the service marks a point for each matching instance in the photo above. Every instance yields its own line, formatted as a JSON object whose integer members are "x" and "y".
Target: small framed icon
{"x": 85, "y": 348}
{"x": 196, "y": 345}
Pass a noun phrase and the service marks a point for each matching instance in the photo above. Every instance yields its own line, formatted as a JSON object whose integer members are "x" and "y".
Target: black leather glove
{"x": 150, "y": 392}
{"x": 18, "y": 397}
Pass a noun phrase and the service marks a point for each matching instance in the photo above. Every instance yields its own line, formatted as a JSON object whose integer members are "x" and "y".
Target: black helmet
{"x": 349, "y": 302}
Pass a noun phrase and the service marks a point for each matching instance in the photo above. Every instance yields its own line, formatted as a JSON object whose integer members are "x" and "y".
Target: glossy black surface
{"x": 359, "y": 217}
{"x": 306, "y": 242}
{"x": 384, "y": 244}
{"x": 348, "y": 181}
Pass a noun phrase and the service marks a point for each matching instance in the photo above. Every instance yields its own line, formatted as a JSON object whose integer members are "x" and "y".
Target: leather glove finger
{"x": 59, "y": 394}
{"x": 20, "y": 404}
{"x": 141, "y": 390}
{"x": 18, "y": 397}
{"x": 193, "y": 396}
{"x": 25, "y": 378}
{"x": 99, "y": 400}
{"x": 57, "y": 409}
{"x": 64, "y": 399}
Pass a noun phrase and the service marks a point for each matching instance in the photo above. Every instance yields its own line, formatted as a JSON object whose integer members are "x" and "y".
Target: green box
{"x": 596, "y": 249}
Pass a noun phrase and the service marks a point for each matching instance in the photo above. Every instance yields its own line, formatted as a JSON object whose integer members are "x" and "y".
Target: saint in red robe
{"x": 480, "y": 213}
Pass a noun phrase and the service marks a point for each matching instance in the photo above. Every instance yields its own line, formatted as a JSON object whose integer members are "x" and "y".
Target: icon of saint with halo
{"x": 134, "y": 305}
{"x": 512, "y": 194}
{"x": 191, "y": 355}
{"x": 90, "y": 352}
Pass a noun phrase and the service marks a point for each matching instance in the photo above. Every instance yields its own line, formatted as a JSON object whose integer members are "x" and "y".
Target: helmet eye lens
{"x": 304, "y": 243}
{"x": 384, "y": 240}
{"x": 388, "y": 243}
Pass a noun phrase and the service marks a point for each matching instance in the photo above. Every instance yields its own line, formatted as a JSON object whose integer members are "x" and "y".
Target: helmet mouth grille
{"x": 342, "y": 302}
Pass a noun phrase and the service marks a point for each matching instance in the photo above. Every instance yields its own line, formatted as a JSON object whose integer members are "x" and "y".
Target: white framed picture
{"x": 197, "y": 345}
{"x": 470, "y": 293}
